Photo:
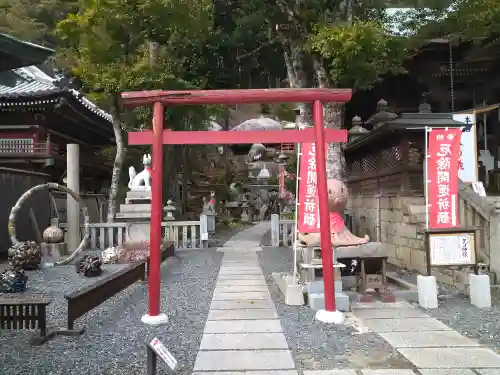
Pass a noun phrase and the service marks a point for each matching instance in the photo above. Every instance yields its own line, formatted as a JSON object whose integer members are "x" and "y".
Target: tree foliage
{"x": 356, "y": 55}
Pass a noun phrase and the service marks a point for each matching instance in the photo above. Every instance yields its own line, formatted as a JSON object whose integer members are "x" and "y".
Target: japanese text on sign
{"x": 451, "y": 249}
{"x": 163, "y": 353}
{"x": 308, "y": 220}
{"x": 443, "y": 155}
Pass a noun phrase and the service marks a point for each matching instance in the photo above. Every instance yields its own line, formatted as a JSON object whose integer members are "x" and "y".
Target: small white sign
{"x": 163, "y": 353}
{"x": 452, "y": 249}
{"x": 468, "y": 170}
{"x": 479, "y": 188}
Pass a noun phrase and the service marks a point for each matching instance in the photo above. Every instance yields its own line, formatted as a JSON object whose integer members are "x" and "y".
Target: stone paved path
{"x": 243, "y": 334}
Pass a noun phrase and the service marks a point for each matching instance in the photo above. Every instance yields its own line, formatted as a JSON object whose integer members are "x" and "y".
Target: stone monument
{"x": 137, "y": 207}
{"x": 53, "y": 245}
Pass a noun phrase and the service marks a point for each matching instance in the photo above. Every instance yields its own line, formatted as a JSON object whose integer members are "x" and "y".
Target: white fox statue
{"x": 141, "y": 181}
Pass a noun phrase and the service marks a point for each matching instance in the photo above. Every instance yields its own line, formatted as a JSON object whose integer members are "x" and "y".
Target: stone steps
{"x": 243, "y": 332}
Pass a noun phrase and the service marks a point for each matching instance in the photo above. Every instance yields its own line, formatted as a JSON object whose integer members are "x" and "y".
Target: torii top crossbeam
{"x": 158, "y": 137}
{"x": 199, "y": 97}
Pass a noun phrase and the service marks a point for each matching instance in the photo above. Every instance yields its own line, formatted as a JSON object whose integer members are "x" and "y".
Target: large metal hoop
{"x": 76, "y": 197}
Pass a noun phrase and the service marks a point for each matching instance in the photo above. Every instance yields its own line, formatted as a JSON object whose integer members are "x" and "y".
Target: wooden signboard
{"x": 446, "y": 248}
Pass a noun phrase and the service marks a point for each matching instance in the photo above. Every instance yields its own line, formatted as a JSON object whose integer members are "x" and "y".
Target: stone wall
{"x": 399, "y": 222}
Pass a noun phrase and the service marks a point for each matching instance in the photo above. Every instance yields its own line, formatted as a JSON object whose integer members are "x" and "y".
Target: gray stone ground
{"x": 316, "y": 346}
{"x": 114, "y": 342}
{"x": 456, "y": 311}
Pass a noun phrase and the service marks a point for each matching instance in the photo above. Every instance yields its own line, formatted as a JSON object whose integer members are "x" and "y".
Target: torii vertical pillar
{"x": 154, "y": 317}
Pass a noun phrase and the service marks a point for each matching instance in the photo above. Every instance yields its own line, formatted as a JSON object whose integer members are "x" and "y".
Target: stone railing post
{"x": 275, "y": 230}
{"x": 204, "y": 231}
{"x": 494, "y": 239}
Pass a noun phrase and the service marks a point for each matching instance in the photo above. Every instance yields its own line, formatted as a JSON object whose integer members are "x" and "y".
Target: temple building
{"x": 41, "y": 113}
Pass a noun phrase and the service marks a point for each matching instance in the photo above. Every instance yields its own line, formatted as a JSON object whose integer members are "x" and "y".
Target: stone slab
{"x": 245, "y": 264}
{"x": 239, "y": 268}
{"x": 389, "y": 313}
{"x": 443, "y": 371}
{"x": 240, "y": 288}
{"x": 239, "y": 296}
{"x": 269, "y": 372}
{"x": 243, "y": 326}
{"x": 331, "y": 372}
{"x": 316, "y": 301}
{"x": 381, "y": 305}
{"x": 240, "y": 277}
{"x": 242, "y": 314}
{"x": 244, "y": 341}
{"x": 243, "y": 304}
{"x": 225, "y": 360}
{"x": 240, "y": 272}
{"x": 388, "y": 371}
{"x": 426, "y": 340}
{"x": 405, "y": 325}
{"x": 451, "y": 357}
{"x": 229, "y": 282}
{"x": 489, "y": 371}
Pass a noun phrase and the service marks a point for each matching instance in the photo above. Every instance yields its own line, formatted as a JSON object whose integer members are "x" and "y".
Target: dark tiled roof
{"x": 15, "y": 53}
{"x": 31, "y": 86}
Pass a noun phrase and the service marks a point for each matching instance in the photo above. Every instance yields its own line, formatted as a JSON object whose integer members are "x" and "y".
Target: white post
{"x": 275, "y": 230}
{"x": 426, "y": 176}
{"x": 204, "y": 231}
{"x": 480, "y": 291}
{"x": 295, "y": 228}
{"x": 427, "y": 285}
{"x": 72, "y": 206}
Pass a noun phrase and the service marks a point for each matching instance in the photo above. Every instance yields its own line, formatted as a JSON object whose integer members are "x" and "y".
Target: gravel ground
{"x": 456, "y": 311}
{"x": 316, "y": 346}
{"x": 114, "y": 342}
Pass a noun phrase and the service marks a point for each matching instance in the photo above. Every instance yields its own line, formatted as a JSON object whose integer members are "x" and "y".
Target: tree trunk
{"x": 119, "y": 159}
{"x": 333, "y": 119}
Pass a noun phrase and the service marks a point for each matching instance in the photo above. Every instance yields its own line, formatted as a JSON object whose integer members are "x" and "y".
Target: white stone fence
{"x": 281, "y": 231}
{"x": 185, "y": 234}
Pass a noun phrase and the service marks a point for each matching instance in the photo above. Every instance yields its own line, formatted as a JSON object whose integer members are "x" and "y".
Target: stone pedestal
{"x": 480, "y": 290}
{"x": 137, "y": 212}
{"x": 54, "y": 251}
{"x": 427, "y": 292}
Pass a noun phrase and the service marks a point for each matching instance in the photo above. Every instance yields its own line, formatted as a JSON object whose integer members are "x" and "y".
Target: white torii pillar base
{"x": 427, "y": 292}
{"x": 155, "y": 320}
{"x": 480, "y": 290}
{"x": 330, "y": 317}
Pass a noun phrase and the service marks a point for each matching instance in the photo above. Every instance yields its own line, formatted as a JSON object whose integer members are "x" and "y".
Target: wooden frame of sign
{"x": 444, "y": 248}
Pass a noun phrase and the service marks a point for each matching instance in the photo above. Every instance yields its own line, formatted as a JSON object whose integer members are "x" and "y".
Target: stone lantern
{"x": 357, "y": 129}
{"x": 170, "y": 211}
{"x": 382, "y": 116}
{"x": 245, "y": 214}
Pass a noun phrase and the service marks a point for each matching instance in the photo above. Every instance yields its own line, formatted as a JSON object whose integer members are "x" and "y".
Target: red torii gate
{"x": 158, "y": 137}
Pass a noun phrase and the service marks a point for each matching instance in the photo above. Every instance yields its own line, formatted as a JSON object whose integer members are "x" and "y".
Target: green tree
{"x": 326, "y": 43}
{"x": 115, "y": 46}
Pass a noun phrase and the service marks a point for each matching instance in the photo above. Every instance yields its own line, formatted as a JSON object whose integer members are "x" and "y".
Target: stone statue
{"x": 257, "y": 152}
{"x": 261, "y": 204}
{"x": 142, "y": 180}
{"x": 338, "y": 196}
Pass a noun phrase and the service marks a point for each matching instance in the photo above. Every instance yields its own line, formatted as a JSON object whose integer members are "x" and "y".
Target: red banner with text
{"x": 308, "y": 216}
{"x": 442, "y": 168}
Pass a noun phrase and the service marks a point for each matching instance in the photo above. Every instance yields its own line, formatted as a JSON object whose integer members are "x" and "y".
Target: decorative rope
{"x": 51, "y": 186}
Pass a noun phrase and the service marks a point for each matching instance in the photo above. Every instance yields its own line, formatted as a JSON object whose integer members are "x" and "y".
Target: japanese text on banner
{"x": 442, "y": 167}
{"x": 308, "y": 218}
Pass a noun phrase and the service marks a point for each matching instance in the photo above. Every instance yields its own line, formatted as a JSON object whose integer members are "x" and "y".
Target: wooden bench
{"x": 25, "y": 313}
{"x": 89, "y": 297}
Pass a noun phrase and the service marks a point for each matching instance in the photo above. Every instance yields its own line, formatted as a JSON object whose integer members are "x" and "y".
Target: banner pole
{"x": 297, "y": 178}
{"x": 426, "y": 176}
